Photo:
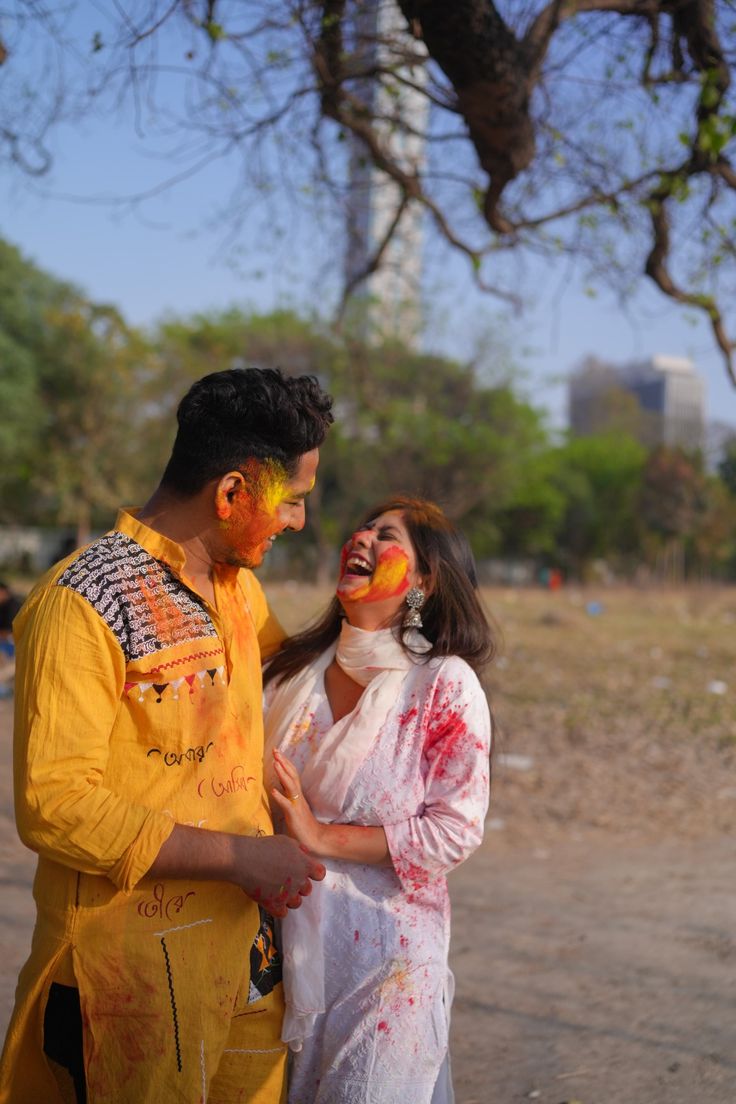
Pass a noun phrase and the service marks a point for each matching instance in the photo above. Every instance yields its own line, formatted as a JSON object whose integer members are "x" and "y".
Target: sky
{"x": 173, "y": 255}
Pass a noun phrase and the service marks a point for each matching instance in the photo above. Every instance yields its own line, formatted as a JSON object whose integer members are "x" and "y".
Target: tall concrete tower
{"x": 388, "y": 303}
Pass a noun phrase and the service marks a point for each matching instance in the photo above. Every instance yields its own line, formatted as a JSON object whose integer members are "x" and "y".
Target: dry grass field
{"x": 593, "y": 933}
{"x": 615, "y": 709}
{"x": 629, "y": 713}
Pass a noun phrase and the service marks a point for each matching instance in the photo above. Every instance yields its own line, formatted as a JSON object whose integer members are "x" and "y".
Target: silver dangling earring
{"x": 415, "y": 600}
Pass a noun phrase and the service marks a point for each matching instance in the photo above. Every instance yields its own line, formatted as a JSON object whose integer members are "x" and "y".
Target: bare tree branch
{"x": 554, "y": 122}
{"x": 656, "y": 269}
{"x": 374, "y": 262}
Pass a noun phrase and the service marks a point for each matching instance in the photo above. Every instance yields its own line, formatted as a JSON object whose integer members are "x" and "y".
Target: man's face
{"x": 262, "y": 506}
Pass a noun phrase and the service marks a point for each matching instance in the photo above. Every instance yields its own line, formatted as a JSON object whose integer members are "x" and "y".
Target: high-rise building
{"x": 659, "y": 400}
{"x": 388, "y": 302}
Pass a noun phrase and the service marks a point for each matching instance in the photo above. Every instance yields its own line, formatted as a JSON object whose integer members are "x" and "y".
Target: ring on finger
{"x": 294, "y": 797}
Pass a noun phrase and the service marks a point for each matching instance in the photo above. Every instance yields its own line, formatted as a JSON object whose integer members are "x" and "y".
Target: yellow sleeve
{"x": 70, "y": 673}
{"x": 271, "y": 633}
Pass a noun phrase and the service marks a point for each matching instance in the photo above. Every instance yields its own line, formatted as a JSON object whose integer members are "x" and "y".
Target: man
{"x": 138, "y": 775}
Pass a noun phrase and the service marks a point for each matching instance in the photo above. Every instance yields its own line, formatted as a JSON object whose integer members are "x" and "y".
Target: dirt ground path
{"x": 586, "y": 971}
{"x": 594, "y": 973}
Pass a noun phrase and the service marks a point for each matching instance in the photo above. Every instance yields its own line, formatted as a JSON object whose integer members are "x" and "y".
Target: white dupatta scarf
{"x": 377, "y": 661}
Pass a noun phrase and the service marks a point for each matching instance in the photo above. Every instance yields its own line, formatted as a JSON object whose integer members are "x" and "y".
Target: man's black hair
{"x": 229, "y": 417}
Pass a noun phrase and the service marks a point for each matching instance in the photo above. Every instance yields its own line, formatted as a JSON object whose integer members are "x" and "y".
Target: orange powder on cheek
{"x": 253, "y": 512}
{"x": 249, "y": 525}
{"x": 390, "y": 579}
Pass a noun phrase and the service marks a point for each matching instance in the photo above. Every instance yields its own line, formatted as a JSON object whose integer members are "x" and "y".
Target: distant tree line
{"x": 87, "y": 408}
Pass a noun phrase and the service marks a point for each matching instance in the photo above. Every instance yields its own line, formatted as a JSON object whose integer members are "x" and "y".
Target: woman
{"x": 378, "y": 741}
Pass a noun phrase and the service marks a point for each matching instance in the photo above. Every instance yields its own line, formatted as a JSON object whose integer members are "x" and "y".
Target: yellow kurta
{"x": 138, "y": 705}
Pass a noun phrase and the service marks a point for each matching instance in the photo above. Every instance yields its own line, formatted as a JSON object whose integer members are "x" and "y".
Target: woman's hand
{"x": 351, "y": 842}
{"x": 300, "y": 821}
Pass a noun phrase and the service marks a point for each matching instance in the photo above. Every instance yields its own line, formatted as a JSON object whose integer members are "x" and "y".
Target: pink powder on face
{"x": 389, "y": 578}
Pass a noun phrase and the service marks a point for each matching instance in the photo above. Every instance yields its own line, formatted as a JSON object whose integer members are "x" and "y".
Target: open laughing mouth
{"x": 358, "y": 565}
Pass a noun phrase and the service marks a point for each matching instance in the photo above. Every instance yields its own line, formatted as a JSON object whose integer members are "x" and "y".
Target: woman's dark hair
{"x": 454, "y": 621}
{"x": 229, "y": 417}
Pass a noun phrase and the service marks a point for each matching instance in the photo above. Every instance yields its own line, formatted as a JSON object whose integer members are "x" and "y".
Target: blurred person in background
{"x": 9, "y": 606}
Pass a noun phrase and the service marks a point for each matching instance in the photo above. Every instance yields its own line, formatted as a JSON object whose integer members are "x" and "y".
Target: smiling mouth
{"x": 357, "y": 565}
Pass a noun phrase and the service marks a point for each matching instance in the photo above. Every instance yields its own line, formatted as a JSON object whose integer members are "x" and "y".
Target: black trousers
{"x": 62, "y": 1035}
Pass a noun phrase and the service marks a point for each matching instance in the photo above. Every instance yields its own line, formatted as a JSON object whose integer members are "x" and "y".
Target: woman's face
{"x": 377, "y": 568}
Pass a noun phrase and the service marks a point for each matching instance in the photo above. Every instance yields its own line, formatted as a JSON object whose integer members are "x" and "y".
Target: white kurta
{"x": 383, "y": 1034}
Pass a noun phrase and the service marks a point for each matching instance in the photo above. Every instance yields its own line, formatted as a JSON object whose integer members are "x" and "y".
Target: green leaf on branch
{"x": 215, "y": 31}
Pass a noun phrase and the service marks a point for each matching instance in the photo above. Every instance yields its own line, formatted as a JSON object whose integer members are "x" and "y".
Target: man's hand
{"x": 275, "y": 871}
